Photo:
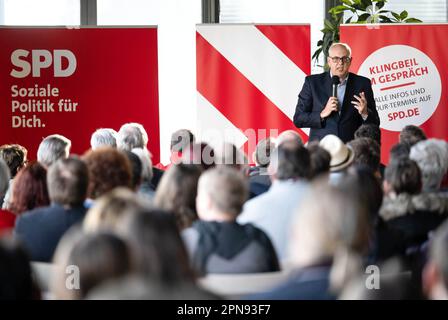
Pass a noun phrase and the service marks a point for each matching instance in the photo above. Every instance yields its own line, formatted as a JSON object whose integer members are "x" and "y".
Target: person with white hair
{"x": 103, "y": 137}
{"x": 288, "y": 135}
{"x": 53, "y": 148}
{"x": 132, "y": 135}
{"x": 432, "y": 158}
{"x": 146, "y": 188}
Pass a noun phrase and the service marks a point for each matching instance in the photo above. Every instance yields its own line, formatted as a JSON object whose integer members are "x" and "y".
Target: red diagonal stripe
{"x": 234, "y": 95}
{"x": 293, "y": 41}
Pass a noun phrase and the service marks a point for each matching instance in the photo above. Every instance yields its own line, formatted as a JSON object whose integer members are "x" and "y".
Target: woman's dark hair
{"x": 157, "y": 248}
{"x": 14, "y": 156}
{"x": 29, "y": 189}
{"x": 177, "y": 193}
{"x": 99, "y": 257}
{"x": 404, "y": 176}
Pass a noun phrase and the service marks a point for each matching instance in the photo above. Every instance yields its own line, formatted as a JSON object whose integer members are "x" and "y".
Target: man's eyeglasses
{"x": 341, "y": 59}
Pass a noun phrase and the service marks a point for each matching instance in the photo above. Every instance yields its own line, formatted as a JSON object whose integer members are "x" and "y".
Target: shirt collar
{"x": 343, "y": 82}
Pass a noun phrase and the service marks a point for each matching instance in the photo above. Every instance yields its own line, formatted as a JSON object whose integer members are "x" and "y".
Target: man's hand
{"x": 332, "y": 105}
{"x": 361, "y": 104}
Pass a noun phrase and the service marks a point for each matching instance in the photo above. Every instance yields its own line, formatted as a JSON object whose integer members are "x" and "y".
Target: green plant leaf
{"x": 363, "y": 18}
{"x": 385, "y": 19}
{"x": 413, "y": 20}
{"x": 338, "y": 9}
{"x": 403, "y": 15}
{"x": 349, "y": 20}
{"x": 348, "y": 3}
{"x": 380, "y": 4}
{"x": 329, "y": 25}
{"x": 396, "y": 15}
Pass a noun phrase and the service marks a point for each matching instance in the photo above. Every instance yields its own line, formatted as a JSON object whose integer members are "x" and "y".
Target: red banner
{"x": 248, "y": 80}
{"x": 405, "y": 63}
{"x": 73, "y": 81}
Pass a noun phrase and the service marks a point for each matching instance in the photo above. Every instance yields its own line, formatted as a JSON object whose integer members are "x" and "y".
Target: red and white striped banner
{"x": 248, "y": 79}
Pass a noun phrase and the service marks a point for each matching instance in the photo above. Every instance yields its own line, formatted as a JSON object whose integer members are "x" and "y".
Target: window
{"x": 425, "y": 10}
{"x": 277, "y": 11}
{"x": 38, "y": 13}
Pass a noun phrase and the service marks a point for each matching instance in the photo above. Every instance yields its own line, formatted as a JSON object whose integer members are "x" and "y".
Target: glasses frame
{"x": 343, "y": 60}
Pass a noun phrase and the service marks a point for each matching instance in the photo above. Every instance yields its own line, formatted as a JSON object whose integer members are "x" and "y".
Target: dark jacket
{"x": 410, "y": 218}
{"x": 314, "y": 96}
{"x": 41, "y": 229}
{"x": 229, "y": 247}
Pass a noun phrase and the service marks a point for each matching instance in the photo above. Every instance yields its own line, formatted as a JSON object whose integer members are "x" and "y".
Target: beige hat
{"x": 341, "y": 155}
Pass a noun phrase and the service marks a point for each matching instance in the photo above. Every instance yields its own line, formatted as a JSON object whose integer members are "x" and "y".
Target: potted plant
{"x": 363, "y": 11}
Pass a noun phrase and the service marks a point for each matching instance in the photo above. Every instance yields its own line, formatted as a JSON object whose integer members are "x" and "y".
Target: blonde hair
{"x": 109, "y": 210}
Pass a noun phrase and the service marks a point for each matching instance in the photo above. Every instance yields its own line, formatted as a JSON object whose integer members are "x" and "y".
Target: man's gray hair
{"x": 341, "y": 44}
{"x": 227, "y": 189}
{"x": 4, "y": 177}
{"x": 103, "y": 137}
{"x": 132, "y": 135}
{"x": 67, "y": 181}
{"x": 432, "y": 158}
{"x": 52, "y": 148}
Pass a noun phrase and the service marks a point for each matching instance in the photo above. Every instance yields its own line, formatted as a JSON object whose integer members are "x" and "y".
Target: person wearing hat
{"x": 336, "y": 102}
{"x": 342, "y": 155}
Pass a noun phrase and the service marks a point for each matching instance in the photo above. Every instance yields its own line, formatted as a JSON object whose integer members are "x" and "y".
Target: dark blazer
{"x": 41, "y": 229}
{"x": 314, "y": 96}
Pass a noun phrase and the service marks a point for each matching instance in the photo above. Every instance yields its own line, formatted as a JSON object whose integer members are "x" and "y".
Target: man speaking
{"x": 336, "y": 102}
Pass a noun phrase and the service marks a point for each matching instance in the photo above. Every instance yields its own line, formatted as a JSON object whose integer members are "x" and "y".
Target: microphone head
{"x": 335, "y": 80}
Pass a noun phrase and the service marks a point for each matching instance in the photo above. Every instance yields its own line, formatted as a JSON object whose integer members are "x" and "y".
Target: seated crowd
{"x": 113, "y": 225}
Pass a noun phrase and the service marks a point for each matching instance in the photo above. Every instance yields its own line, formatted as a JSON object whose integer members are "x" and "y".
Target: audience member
{"x": 16, "y": 282}
{"x": 411, "y": 134}
{"x": 319, "y": 161}
{"x": 52, "y": 148}
{"x": 217, "y": 243}
{"x": 201, "y": 154}
{"x": 367, "y": 153}
{"x": 110, "y": 209}
{"x": 432, "y": 158}
{"x": 272, "y": 211}
{"x": 146, "y": 188}
{"x": 108, "y": 169}
{"x": 15, "y": 157}
{"x": 89, "y": 261}
{"x": 435, "y": 275}
{"x": 41, "y": 229}
{"x": 103, "y": 137}
{"x": 29, "y": 189}
{"x": 177, "y": 193}
{"x": 329, "y": 220}
{"x": 259, "y": 180}
{"x": 288, "y": 135}
{"x": 180, "y": 141}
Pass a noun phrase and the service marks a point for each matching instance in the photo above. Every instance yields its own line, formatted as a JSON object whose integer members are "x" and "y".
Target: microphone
{"x": 335, "y": 81}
